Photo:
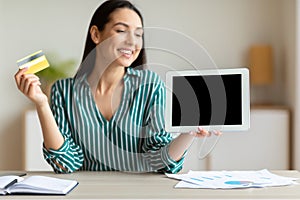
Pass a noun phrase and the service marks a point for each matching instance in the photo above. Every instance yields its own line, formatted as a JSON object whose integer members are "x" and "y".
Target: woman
{"x": 110, "y": 115}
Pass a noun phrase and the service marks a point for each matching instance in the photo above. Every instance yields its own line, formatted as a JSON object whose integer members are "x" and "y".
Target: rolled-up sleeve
{"x": 157, "y": 154}
{"x": 69, "y": 157}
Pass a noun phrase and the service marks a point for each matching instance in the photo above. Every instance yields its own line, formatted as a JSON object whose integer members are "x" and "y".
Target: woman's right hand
{"x": 29, "y": 85}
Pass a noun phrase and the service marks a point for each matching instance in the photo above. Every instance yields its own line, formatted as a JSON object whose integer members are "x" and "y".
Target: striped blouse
{"x": 134, "y": 139}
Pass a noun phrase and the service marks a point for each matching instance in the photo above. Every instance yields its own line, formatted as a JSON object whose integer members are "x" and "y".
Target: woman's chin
{"x": 125, "y": 63}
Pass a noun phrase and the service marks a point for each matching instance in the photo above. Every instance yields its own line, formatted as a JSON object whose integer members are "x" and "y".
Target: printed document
{"x": 231, "y": 179}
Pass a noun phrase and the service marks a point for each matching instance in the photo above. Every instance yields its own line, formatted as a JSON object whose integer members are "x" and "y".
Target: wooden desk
{"x": 118, "y": 185}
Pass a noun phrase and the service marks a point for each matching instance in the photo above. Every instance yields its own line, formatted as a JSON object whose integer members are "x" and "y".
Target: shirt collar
{"x": 133, "y": 72}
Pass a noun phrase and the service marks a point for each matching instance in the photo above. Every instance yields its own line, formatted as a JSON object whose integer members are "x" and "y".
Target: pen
{"x": 11, "y": 183}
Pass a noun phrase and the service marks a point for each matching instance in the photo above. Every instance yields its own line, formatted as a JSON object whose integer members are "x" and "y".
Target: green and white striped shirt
{"x": 133, "y": 140}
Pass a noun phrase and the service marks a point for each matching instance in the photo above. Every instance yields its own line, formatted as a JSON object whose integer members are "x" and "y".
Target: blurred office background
{"x": 226, "y": 29}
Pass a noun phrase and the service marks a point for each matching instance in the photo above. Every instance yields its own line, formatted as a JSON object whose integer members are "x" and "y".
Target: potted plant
{"x": 58, "y": 69}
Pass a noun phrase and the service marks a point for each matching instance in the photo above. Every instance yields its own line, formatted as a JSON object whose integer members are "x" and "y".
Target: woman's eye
{"x": 139, "y": 34}
{"x": 120, "y": 31}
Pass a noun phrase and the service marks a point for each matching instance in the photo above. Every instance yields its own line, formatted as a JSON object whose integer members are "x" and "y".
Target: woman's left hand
{"x": 204, "y": 133}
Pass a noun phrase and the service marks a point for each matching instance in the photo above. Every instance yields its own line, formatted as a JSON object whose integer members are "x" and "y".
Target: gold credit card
{"x": 34, "y": 62}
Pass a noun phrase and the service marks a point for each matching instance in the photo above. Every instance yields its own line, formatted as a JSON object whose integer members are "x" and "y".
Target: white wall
{"x": 225, "y": 28}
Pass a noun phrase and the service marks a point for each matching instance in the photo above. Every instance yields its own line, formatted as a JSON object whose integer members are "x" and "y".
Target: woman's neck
{"x": 111, "y": 78}
{"x": 105, "y": 80}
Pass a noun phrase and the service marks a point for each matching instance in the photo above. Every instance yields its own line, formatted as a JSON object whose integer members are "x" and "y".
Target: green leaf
{"x": 58, "y": 70}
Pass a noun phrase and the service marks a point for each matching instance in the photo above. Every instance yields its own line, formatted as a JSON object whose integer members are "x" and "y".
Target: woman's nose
{"x": 130, "y": 39}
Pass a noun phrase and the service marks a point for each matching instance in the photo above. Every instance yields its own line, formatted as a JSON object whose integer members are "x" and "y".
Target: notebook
{"x": 35, "y": 185}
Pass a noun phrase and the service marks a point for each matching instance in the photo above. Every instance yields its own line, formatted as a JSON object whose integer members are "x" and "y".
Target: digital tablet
{"x": 214, "y": 99}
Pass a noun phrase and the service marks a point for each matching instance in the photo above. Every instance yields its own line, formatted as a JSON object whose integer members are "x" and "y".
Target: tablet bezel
{"x": 244, "y": 72}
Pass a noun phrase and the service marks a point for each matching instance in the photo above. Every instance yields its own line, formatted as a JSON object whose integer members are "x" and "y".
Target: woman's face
{"x": 122, "y": 38}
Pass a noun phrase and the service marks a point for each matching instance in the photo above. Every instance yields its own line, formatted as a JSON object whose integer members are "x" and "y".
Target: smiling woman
{"x": 110, "y": 116}
{"x": 103, "y": 18}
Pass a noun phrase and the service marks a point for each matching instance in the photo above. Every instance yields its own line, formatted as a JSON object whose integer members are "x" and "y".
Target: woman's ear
{"x": 95, "y": 34}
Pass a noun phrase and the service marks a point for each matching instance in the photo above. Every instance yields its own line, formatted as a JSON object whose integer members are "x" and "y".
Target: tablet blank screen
{"x": 207, "y": 100}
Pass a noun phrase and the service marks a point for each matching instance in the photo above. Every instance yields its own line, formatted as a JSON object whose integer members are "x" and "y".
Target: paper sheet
{"x": 230, "y": 179}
